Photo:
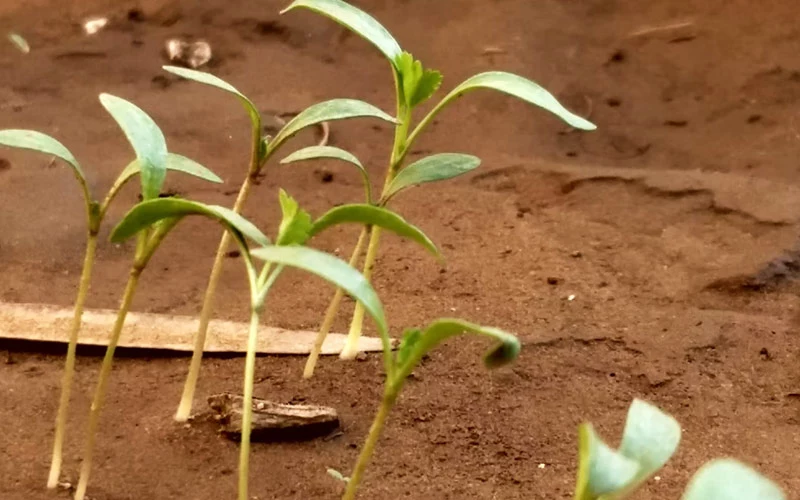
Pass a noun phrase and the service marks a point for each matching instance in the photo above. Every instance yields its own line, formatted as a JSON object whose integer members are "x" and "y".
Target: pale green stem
{"x": 102, "y": 384}
{"x": 369, "y": 445}
{"x": 69, "y": 368}
{"x": 249, "y": 377}
{"x": 350, "y": 350}
{"x": 330, "y": 314}
{"x": 187, "y": 399}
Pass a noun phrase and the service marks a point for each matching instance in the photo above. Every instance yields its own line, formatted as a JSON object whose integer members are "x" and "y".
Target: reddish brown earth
{"x": 660, "y": 224}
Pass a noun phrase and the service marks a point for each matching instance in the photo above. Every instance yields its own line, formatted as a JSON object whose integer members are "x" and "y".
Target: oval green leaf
{"x": 335, "y": 109}
{"x": 147, "y": 213}
{"x": 504, "y": 352}
{"x": 727, "y": 479}
{"x": 433, "y": 168}
{"x": 334, "y": 153}
{"x": 356, "y": 20}
{"x": 650, "y": 438}
{"x": 371, "y": 215}
{"x": 146, "y": 139}
{"x": 601, "y": 470}
{"x": 214, "y": 81}
{"x": 331, "y": 269}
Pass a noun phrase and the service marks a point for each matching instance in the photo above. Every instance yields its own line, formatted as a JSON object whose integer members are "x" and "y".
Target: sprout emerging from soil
{"x": 414, "y": 85}
{"x": 398, "y": 366}
{"x": 295, "y": 229}
{"x": 649, "y": 440}
{"x": 261, "y": 150}
{"x": 95, "y": 213}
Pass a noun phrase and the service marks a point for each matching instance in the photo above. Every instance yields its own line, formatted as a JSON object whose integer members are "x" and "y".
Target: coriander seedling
{"x": 95, "y": 213}
{"x": 414, "y": 85}
{"x": 261, "y": 150}
{"x": 398, "y": 366}
{"x": 295, "y": 229}
{"x": 649, "y": 440}
{"x": 152, "y": 162}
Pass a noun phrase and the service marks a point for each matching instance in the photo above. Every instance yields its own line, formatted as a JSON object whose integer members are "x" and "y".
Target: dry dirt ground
{"x": 674, "y": 225}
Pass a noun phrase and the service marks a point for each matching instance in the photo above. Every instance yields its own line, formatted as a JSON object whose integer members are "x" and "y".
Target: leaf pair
{"x": 649, "y": 440}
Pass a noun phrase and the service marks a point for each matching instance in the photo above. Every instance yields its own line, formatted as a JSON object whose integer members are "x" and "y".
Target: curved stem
{"x": 102, "y": 384}
{"x": 350, "y": 350}
{"x": 69, "y": 368}
{"x": 187, "y": 398}
{"x": 369, "y": 446}
{"x": 330, "y": 314}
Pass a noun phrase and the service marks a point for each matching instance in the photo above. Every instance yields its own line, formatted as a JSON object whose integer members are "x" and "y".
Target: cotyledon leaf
{"x": 214, "y": 81}
{"x": 43, "y": 143}
{"x": 511, "y": 84}
{"x": 357, "y": 21}
{"x": 365, "y": 214}
{"x": 332, "y": 269}
{"x": 331, "y": 152}
{"x": 651, "y": 437}
{"x": 175, "y": 162}
{"x": 147, "y": 213}
{"x": 601, "y": 471}
{"x": 334, "y": 109}
{"x": 727, "y": 479}
{"x": 146, "y": 139}
{"x": 433, "y": 168}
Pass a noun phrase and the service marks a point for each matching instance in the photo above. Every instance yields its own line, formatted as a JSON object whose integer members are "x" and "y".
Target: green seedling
{"x": 649, "y": 440}
{"x": 152, "y": 162}
{"x": 95, "y": 213}
{"x": 261, "y": 150}
{"x": 414, "y": 85}
{"x": 295, "y": 229}
{"x": 399, "y": 365}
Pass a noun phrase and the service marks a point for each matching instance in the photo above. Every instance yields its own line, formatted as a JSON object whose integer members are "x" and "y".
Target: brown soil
{"x": 662, "y": 224}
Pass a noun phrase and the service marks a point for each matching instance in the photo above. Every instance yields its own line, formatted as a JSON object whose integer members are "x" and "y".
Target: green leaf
{"x": 407, "y": 345}
{"x": 175, "y": 162}
{"x": 19, "y": 42}
{"x": 433, "y": 168}
{"x": 418, "y": 84}
{"x": 371, "y": 215}
{"x": 43, "y": 143}
{"x": 521, "y": 88}
{"x": 331, "y": 152}
{"x": 727, "y": 479}
{"x": 355, "y": 20}
{"x": 601, "y": 470}
{"x": 335, "y": 109}
{"x": 331, "y": 269}
{"x": 504, "y": 352}
{"x": 214, "y": 81}
{"x": 296, "y": 224}
{"x": 650, "y": 438}
{"x": 147, "y": 213}
{"x": 147, "y": 140}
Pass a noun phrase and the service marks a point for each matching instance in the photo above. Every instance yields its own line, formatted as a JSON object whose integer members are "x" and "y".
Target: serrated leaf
{"x": 43, "y": 143}
{"x": 146, "y": 139}
{"x": 214, "y": 81}
{"x": 355, "y": 20}
{"x": 727, "y": 479}
{"x": 295, "y": 225}
{"x": 20, "y": 43}
{"x": 504, "y": 352}
{"x": 601, "y": 470}
{"x": 147, "y": 213}
{"x": 433, "y": 168}
{"x": 428, "y": 84}
{"x": 521, "y": 88}
{"x": 418, "y": 84}
{"x": 331, "y": 269}
{"x": 370, "y": 215}
{"x": 335, "y": 109}
{"x": 331, "y": 152}
{"x": 650, "y": 438}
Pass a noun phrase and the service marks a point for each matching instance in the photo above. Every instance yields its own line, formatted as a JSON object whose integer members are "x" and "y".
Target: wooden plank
{"x": 45, "y": 323}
